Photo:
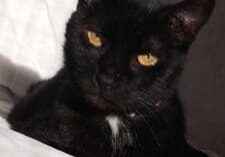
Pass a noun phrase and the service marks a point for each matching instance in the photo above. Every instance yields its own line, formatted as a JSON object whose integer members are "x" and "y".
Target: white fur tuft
{"x": 114, "y": 123}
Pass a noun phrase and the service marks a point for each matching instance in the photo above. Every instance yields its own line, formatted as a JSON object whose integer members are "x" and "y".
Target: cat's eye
{"x": 94, "y": 39}
{"x": 147, "y": 60}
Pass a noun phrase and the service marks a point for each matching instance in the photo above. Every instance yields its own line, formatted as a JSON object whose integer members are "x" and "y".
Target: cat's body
{"x": 110, "y": 100}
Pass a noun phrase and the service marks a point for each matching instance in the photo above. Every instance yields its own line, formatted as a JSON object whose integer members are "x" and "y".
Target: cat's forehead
{"x": 150, "y": 4}
{"x": 122, "y": 8}
{"x": 120, "y": 15}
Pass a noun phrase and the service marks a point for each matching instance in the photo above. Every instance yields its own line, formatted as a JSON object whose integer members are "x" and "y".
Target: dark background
{"x": 203, "y": 84}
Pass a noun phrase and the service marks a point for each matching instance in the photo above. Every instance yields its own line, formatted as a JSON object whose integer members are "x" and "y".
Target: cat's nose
{"x": 107, "y": 80}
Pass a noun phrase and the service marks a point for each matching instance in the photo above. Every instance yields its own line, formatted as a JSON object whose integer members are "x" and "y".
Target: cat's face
{"x": 125, "y": 55}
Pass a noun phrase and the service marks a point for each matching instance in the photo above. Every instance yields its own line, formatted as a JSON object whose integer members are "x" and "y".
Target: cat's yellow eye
{"x": 147, "y": 60}
{"x": 94, "y": 39}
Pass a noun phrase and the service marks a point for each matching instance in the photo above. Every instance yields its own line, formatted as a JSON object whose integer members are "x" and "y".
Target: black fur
{"x": 69, "y": 111}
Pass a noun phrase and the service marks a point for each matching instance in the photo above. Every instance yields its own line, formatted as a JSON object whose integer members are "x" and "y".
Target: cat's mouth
{"x": 100, "y": 102}
{"x": 109, "y": 106}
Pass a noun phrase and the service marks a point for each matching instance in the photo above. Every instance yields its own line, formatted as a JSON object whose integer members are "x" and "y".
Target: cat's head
{"x": 123, "y": 53}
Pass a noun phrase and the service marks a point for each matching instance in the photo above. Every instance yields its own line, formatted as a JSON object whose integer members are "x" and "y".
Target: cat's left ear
{"x": 187, "y": 18}
{"x": 86, "y": 3}
{"x": 83, "y": 3}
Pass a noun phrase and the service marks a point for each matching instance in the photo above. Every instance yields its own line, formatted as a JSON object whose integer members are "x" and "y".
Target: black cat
{"x": 117, "y": 93}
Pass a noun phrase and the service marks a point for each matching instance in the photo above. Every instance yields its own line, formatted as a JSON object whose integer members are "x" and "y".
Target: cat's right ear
{"x": 186, "y": 18}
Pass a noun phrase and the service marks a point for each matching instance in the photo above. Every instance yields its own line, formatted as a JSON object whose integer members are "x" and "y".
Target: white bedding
{"x": 31, "y": 39}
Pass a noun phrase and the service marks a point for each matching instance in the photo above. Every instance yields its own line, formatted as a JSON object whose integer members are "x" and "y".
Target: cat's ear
{"x": 83, "y": 3}
{"x": 186, "y": 18}
{"x": 86, "y": 3}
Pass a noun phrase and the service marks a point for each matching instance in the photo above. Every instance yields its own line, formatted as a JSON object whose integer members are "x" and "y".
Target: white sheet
{"x": 31, "y": 39}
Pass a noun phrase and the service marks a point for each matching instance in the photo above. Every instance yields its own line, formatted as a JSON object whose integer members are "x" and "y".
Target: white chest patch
{"x": 114, "y": 123}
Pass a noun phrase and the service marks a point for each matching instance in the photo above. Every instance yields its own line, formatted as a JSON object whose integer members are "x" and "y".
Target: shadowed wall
{"x": 203, "y": 85}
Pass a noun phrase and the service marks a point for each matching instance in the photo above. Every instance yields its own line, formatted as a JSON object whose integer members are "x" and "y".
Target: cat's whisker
{"x": 151, "y": 129}
{"x": 142, "y": 101}
{"x": 149, "y": 109}
{"x": 154, "y": 114}
{"x": 137, "y": 142}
